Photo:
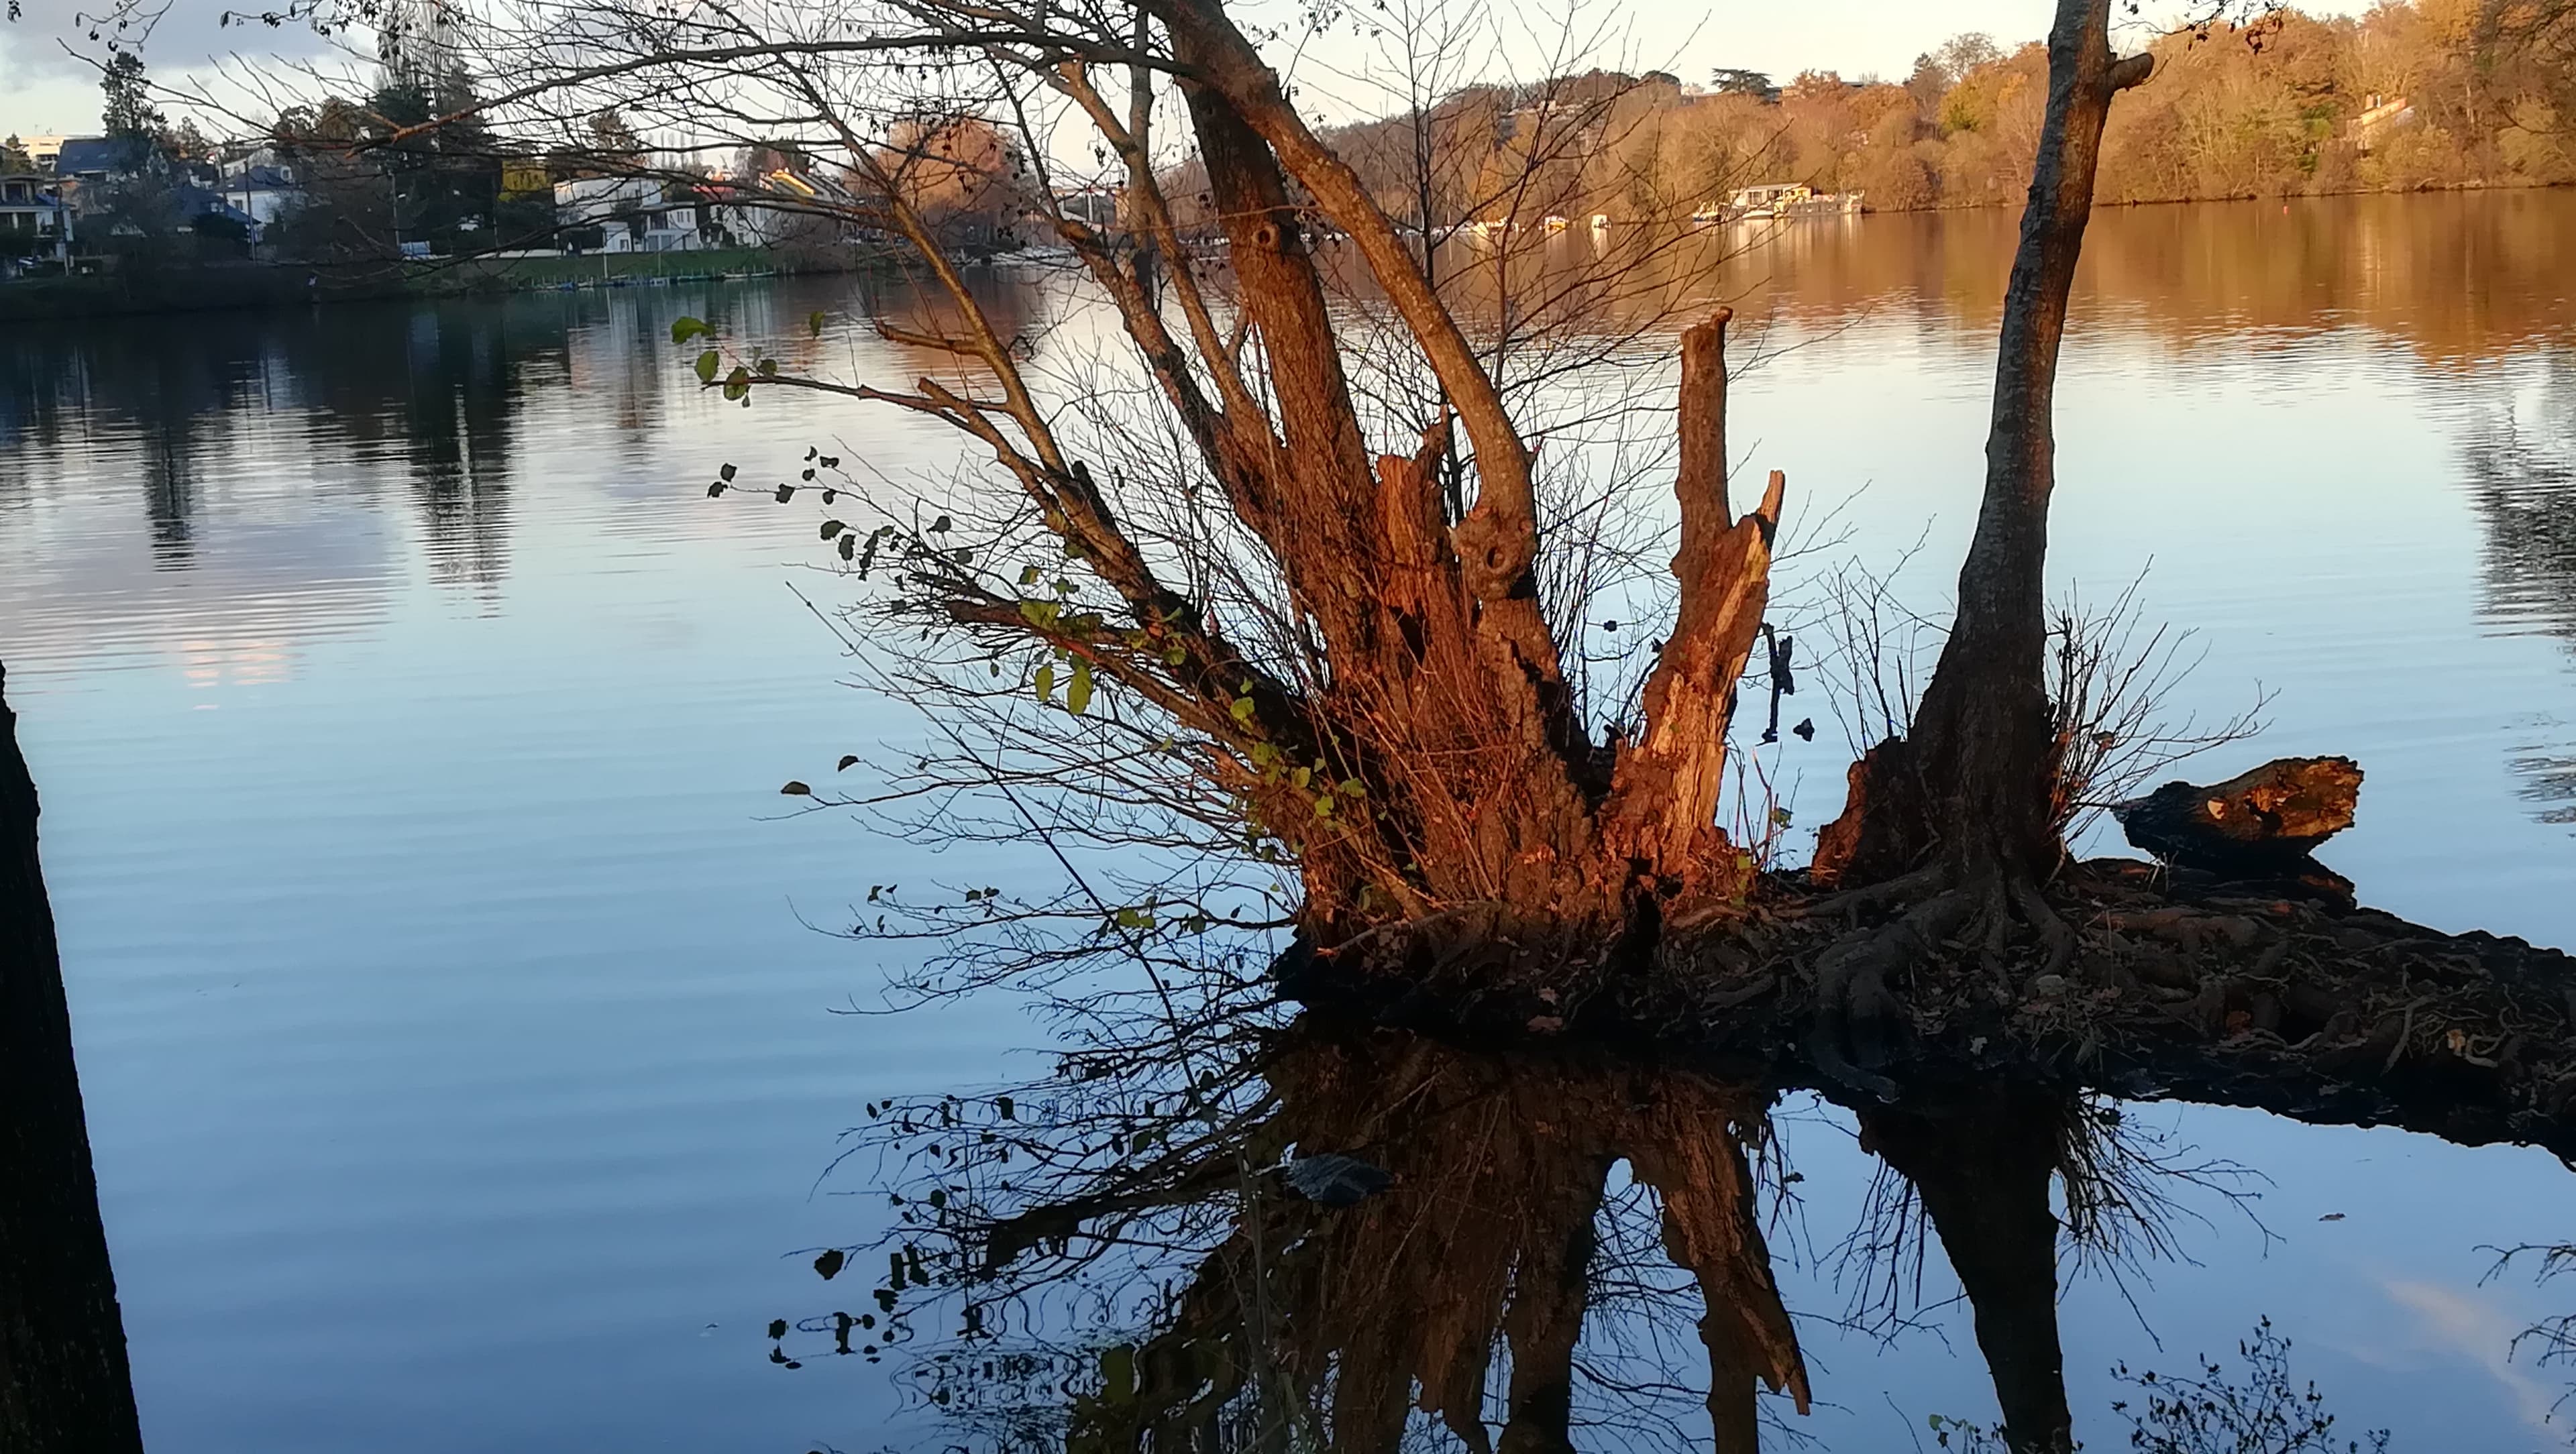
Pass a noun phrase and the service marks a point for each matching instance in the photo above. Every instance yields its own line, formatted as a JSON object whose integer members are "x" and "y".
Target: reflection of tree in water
{"x": 2522, "y": 475}
{"x": 1328, "y": 1235}
{"x": 1445, "y": 1225}
{"x": 436, "y": 387}
{"x": 65, "y": 384}
{"x": 461, "y": 391}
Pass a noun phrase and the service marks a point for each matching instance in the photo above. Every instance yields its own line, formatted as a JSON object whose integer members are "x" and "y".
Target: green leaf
{"x": 941, "y": 524}
{"x": 832, "y": 528}
{"x": 685, "y": 328}
{"x": 726, "y": 471}
{"x": 768, "y": 368}
{"x": 1028, "y": 575}
{"x": 706, "y": 366}
{"x": 1046, "y": 682}
{"x": 848, "y": 545}
{"x": 1242, "y": 709}
{"x": 814, "y": 324}
{"x": 715, "y": 489}
{"x": 786, "y": 493}
{"x": 848, "y": 760}
{"x": 1077, "y": 693}
{"x": 738, "y": 383}
{"x": 797, "y": 790}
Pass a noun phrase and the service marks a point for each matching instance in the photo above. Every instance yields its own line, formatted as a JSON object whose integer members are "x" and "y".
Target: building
{"x": 34, "y": 223}
{"x": 634, "y": 214}
{"x": 197, "y": 205}
{"x": 95, "y": 159}
{"x": 262, "y": 192}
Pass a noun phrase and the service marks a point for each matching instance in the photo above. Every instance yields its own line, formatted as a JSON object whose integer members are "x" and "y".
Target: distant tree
{"x": 129, "y": 113}
{"x": 13, "y": 155}
{"x": 1732, "y": 81}
{"x": 219, "y": 235}
{"x": 1961, "y": 54}
{"x": 346, "y": 212}
{"x": 447, "y": 180}
{"x": 962, "y": 175}
{"x": 185, "y": 142}
{"x": 612, "y": 138}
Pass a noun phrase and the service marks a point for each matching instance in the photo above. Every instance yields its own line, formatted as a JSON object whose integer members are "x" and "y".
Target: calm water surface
{"x": 462, "y": 1071}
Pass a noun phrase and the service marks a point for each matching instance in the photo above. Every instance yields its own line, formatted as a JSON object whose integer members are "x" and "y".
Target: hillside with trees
{"x": 2410, "y": 96}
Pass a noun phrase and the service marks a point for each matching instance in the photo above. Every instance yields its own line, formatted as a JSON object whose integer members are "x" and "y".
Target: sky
{"x": 46, "y": 89}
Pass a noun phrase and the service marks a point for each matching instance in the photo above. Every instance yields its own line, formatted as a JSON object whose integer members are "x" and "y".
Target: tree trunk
{"x": 1983, "y": 1168}
{"x": 64, "y": 1383}
{"x": 1981, "y": 744}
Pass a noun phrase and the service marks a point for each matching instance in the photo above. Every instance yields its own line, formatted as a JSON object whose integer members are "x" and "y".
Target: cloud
{"x": 2481, "y": 1333}
{"x": 63, "y": 40}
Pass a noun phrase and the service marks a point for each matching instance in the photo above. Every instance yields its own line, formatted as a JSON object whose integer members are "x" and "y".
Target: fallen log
{"x": 2262, "y": 824}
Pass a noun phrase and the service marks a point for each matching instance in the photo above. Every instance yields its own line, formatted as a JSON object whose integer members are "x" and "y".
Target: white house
{"x": 34, "y": 223}
{"x": 262, "y": 190}
{"x": 634, "y": 214}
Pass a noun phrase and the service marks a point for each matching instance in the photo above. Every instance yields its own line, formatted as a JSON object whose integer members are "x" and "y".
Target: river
{"x": 463, "y": 1071}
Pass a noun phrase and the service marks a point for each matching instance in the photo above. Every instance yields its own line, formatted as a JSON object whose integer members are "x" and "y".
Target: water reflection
{"x": 2520, "y": 463}
{"x": 1356, "y": 1238}
{"x": 206, "y": 495}
{"x": 2468, "y": 280}
{"x": 1350, "y": 1230}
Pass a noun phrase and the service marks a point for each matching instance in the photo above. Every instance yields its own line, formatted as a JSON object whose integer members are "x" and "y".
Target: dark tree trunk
{"x": 1544, "y": 1324}
{"x": 64, "y": 1384}
{"x": 1982, "y": 750}
{"x": 1982, "y": 1167}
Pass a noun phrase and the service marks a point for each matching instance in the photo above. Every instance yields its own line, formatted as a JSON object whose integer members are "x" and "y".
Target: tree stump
{"x": 2258, "y": 825}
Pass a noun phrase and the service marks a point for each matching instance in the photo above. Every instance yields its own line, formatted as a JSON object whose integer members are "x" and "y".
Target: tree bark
{"x": 1666, "y": 787}
{"x": 1983, "y": 1167}
{"x": 2259, "y": 823}
{"x": 1982, "y": 741}
{"x": 64, "y": 1383}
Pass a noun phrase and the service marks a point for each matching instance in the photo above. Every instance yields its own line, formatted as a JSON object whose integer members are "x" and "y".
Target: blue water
{"x": 461, "y": 1066}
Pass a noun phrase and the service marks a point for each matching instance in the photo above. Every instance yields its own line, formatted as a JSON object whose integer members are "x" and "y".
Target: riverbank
{"x": 272, "y": 285}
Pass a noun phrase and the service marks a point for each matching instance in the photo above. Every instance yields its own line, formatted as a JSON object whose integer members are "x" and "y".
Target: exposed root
{"x": 1851, "y": 901}
{"x": 2054, "y": 934}
{"x": 1856, "y": 1006}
